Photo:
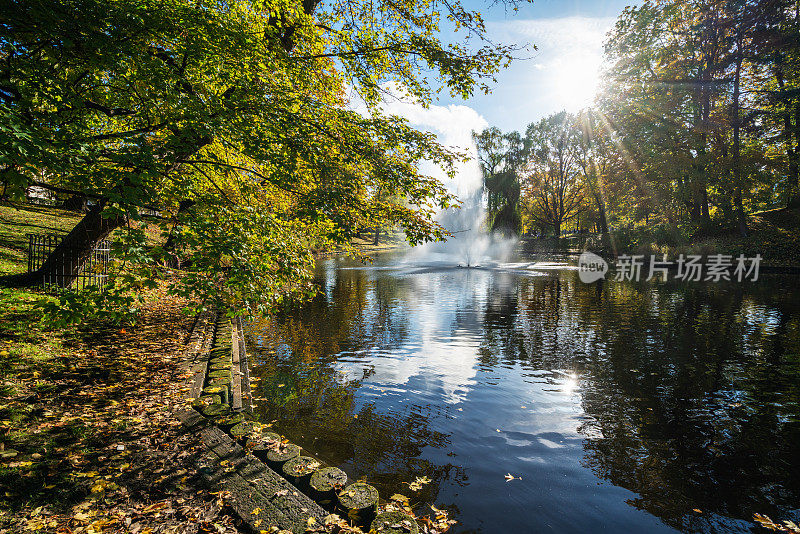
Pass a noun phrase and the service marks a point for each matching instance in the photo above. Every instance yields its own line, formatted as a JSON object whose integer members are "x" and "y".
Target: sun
{"x": 576, "y": 79}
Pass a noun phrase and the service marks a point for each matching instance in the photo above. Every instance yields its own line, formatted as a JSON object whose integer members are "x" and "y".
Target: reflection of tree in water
{"x": 315, "y": 405}
{"x": 693, "y": 390}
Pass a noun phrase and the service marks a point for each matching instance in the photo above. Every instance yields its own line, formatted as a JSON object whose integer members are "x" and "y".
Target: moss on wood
{"x": 231, "y": 420}
{"x": 244, "y": 429}
{"x": 359, "y": 496}
{"x": 394, "y": 522}
{"x": 215, "y": 410}
{"x": 277, "y": 456}
{"x": 205, "y": 400}
{"x": 298, "y": 470}
{"x": 222, "y": 391}
{"x": 220, "y": 382}
{"x": 262, "y": 442}
{"x": 300, "y": 466}
{"x": 220, "y": 373}
{"x": 328, "y": 479}
{"x": 361, "y": 502}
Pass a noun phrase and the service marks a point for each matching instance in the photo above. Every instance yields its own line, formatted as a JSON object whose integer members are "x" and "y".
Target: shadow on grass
{"x": 83, "y": 413}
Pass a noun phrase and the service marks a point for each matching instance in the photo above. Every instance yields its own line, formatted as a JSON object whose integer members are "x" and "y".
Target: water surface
{"x": 624, "y": 407}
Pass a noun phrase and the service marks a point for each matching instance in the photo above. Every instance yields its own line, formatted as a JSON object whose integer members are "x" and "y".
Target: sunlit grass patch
{"x": 18, "y": 220}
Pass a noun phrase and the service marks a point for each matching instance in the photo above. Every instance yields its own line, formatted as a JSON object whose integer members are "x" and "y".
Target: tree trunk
{"x": 601, "y": 209}
{"x": 377, "y": 235}
{"x": 737, "y": 164}
{"x": 793, "y": 178}
{"x": 62, "y": 265}
{"x": 172, "y": 260}
{"x": 796, "y": 151}
{"x": 75, "y": 203}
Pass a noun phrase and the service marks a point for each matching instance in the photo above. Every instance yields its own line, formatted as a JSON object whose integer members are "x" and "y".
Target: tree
{"x": 551, "y": 184}
{"x": 696, "y": 100}
{"x": 239, "y": 108}
{"x": 501, "y": 157}
{"x": 775, "y": 56}
{"x": 593, "y": 154}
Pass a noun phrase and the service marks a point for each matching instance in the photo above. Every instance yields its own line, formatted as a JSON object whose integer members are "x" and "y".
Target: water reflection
{"x": 623, "y": 406}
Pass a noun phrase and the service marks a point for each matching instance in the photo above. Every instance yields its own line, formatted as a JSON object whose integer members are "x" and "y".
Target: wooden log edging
{"x": 221, "y": 396}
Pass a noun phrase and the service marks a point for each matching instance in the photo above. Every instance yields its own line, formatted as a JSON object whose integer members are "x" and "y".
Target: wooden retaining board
{"x": 241, "y": 351}
{"x": 260, "y": 496}
{"x": 236, "y": 371}
{"x": 197, "y": 355}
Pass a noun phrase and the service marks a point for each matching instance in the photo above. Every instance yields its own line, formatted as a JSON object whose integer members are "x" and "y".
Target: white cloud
{"x": 452, "y": 124}
{"x": 555, "y": 35}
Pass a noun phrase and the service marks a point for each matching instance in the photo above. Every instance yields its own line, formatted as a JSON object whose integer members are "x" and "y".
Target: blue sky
{"x": 561, "y": 74}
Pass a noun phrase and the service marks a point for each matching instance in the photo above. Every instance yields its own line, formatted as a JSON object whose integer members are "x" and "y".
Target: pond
{"x": 620, "y": 407}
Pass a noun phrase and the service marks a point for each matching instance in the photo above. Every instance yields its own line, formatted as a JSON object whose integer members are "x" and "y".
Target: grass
{"x": 387, "y": 242}
{"x": 18, "y": 220}
{"x": 775, "y": 235}
{"x": 88, "y": 440}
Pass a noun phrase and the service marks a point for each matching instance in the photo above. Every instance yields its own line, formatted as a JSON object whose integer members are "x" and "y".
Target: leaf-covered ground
{"x": 90, "y": 442}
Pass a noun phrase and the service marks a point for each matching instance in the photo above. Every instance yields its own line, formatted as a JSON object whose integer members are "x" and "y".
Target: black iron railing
{"x": 70, "y": 270}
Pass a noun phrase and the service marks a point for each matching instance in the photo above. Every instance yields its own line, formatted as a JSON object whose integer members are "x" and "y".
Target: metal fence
{"x": 93, "y": 271}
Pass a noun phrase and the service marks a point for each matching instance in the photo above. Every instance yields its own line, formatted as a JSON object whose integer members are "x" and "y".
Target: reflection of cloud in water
{"x": 444, "y": 350}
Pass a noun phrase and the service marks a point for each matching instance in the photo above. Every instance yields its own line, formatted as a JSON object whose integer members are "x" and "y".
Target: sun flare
{"x": 576, "y": 80}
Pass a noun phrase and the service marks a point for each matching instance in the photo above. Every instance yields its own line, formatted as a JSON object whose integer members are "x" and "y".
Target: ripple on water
{"x": 621, "y": 406}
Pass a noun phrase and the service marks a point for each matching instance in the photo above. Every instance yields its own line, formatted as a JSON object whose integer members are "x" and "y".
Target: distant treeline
{"x": 697, "y": 126}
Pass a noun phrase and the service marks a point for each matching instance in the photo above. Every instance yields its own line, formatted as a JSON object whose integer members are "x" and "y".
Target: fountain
{"x": 471, "y": 244}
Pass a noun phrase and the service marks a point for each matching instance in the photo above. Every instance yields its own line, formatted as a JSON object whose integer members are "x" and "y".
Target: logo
{"x": 591, "y": 267}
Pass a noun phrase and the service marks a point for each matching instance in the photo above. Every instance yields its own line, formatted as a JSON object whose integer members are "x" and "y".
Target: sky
{"x": 561, "y": 74}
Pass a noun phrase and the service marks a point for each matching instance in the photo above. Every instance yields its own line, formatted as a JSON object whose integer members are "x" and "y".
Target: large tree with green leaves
{"x": 231, "y": 118}
{"x": 701, "y": 98}
{"x": 554, "y": 191}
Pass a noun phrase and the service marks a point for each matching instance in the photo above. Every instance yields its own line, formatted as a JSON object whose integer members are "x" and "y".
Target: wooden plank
{"x": 244, "y": 367}
{"x": 236, "y": 371}
{"x": 197, "y": 353}
{"x": 260, "y": 496}
{"x": 276, "y": 497}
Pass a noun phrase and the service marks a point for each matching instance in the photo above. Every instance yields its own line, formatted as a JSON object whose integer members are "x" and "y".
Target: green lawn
{"x": 19, "y": 220}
